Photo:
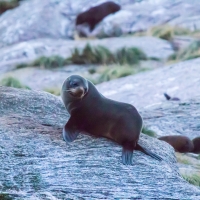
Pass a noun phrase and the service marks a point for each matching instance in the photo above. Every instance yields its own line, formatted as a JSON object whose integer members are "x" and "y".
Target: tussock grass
{"x": 12, "y": 82}
{"x": 45, "y": 62}
{"x": 193, "y": 179}
{"x": 167, "y": 32}
{"x": 190, "y": 52}
{"x": 107, "y": 73}
{"x": 49, "y": 62}
{"x": 102, "y": 55}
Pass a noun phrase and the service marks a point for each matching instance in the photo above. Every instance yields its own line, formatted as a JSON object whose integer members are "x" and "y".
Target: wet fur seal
{"x": 171, "y": 98}
{"x": 99, "y": 116}
{"x": 95, "y": 14}
{"x": 180, "y": 143}
{"x": 196, "y": 143}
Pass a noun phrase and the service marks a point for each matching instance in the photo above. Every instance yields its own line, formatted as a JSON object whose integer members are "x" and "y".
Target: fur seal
{"x": 180, "y": 143}
{"x": 95, "y": 14}
{"x": 92, "y": 113}
{"x": 196, "y": 143}
{"x": 171, "y": 98}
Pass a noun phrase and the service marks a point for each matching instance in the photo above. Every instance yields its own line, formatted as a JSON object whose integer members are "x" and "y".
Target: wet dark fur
{"x": 196, "y": 142}
{"x": 95, "y": 14}
{"x": 103, "y": 117}
{"x": 180, "y": 143}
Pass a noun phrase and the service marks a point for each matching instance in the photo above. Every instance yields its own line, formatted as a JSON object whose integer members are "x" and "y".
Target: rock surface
{"x": 56, "y": 18}
{"x": 146, "y": 89}
{"x": 30, "y": 50}
{"x": 37, "y": 164}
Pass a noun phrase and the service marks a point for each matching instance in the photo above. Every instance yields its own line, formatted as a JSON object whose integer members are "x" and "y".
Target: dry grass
{"x": 190, "y": 52}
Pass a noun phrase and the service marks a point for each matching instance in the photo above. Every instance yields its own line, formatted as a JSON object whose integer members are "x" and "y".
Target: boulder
{"x": 146, "y": 89}
{"x": 37, "y": 164}
{"x": 56, "y": 18}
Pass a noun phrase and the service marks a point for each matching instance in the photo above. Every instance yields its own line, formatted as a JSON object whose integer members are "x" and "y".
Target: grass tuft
{"x": 107, "y": 73}
{"x": 49, "y": 62}
{"x": 102, "y": 55}
{"x": 165, "y": 31}
{"x": 53, "y": 90}
{"x": 148, "y": 132}
{"x": 193, "y": 179}
{"x": 190, "y": 52}
{"x": 22, "y": 65}
{"x": 129, "y": 56}
{"x": 12, "y": 82}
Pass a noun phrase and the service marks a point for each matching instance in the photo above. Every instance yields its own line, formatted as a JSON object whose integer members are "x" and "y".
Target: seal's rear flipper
{"x": 127, "y": 156}
{"x": 147, "y": 152}
{"x": 69, "y": 135}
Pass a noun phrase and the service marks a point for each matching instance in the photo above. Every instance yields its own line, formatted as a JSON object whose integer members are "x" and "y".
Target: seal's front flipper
{"x": 127, "y": 156}
{"x": 69, "y": 133}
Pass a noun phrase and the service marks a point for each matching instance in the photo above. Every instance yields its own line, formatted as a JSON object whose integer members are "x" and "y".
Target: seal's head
{"x": 74, "y": 88}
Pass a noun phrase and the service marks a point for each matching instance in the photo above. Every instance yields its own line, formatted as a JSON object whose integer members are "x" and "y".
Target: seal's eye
{"x": 73, "y": 84}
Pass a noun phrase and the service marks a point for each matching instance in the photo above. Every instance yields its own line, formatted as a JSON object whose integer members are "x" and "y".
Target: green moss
{"x": 148, "y": 132}
{"x": 193, "y": 179}
{"x": 12, "y": 82}
{"x": 53, "y": 90}
{"x": 4, "y": 196}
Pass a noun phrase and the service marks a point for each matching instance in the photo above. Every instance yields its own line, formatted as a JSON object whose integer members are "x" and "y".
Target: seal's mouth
{"x": 78, "y": 92}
